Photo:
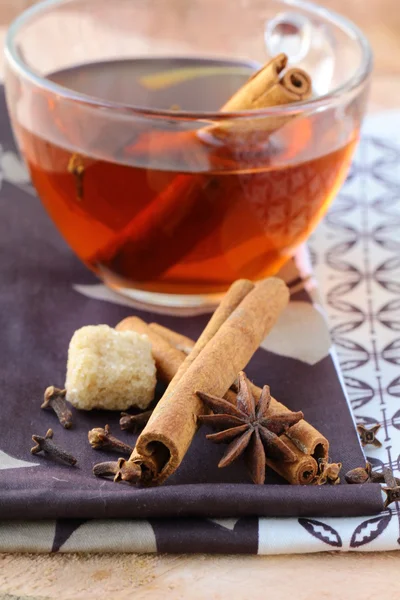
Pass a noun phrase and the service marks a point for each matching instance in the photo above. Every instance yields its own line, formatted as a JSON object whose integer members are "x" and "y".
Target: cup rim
{"x": 358, "y": 78}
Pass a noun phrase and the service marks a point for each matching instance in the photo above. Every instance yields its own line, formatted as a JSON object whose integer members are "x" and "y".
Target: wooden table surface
{"x": 324, "y": 576}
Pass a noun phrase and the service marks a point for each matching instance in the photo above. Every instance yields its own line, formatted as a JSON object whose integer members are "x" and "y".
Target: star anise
{"x": 368, "y": 436}
{"x": 248, "y": 428}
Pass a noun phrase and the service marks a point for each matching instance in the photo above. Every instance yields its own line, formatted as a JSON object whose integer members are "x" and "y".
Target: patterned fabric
{"x": 355, "y": 260}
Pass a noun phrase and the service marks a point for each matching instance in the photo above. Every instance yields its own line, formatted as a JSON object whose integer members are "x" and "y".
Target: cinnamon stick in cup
{"x": 170, "y": 430}
{"x": 267, "y": 87}
{"x": 175, "y": 213}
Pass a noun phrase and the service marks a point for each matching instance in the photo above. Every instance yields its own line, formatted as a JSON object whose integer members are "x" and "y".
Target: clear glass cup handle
{"x": 307, "y": 44}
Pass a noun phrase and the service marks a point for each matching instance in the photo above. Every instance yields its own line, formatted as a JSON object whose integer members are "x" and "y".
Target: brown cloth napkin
{"x": 39, "y": 311}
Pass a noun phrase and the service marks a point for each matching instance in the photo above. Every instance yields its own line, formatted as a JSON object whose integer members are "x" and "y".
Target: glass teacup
{"x": 114, "y": 105}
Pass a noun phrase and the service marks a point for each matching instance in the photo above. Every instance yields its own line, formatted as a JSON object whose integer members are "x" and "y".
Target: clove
{"x": 367, "y": 475}
{"x": 54, "y": 398}
{"x": 392, "y": 490}
{"x": 47, "y": 445}
{"x": 77, "y": 169}
{"x": 121, "y": 470}
{"x": 359, "y": 475}
{"x": 128, "y": 471}
{"x": 101, "y": 439}
{"x": 134, "y": 423}
{"x": 105, "y": 469}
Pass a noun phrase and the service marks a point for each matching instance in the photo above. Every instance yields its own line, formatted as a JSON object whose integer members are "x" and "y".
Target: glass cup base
{"x": 179, "y": 304}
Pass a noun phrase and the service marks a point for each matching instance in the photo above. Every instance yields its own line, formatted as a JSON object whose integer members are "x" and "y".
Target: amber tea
{"x": 169, "y": 209}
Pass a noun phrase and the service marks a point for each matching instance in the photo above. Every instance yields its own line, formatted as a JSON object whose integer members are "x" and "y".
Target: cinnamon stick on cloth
{"x": 169, "y": 362}
{"x": 174, "y": 214}
{"x": 303, "y": 435}
{"x": 303, "y": 439}
{"x": 232, "y": 299}
{"x": 167, "y": 436}
{"x": 174, "y": 366}
{"x": 177, "y": 340}
{"x": 168, "y": 359}
{"x": 303, "y": 470}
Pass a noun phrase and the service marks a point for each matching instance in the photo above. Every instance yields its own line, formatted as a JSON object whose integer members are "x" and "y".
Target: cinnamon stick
{"x": 266, "y": 87}
{"x": 310, "y": 444}
{"x": 307, "y": 442}
{"x": 170, "y": 430}
{"x": 232, "y": 299}
{"x": 175, "y": 213}
{"x": 303, "y": 435}
{"x": 307, "y": 439}
{"x": 177, "y": 340}
{"x": 167, "y": 358}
